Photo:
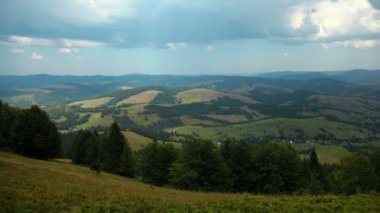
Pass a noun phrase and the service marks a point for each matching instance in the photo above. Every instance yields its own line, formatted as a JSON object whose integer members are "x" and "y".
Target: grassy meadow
{"x": 275, "y": 127}
{"x": 29, "y": 185}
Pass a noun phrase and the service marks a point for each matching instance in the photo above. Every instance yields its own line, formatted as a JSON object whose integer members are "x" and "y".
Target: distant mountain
{"x": 52, "y": 89}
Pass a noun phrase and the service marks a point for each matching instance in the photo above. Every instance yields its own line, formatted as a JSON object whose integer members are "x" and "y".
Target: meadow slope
{"x": 29, "y": 185}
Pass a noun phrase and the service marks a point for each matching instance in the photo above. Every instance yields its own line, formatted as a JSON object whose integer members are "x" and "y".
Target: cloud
{"x": 37, "y": 57}
{"x": 68, "y": 50}
{"x": 176, "y": 46}
{"x": 285, "y": 54}
{"x": 335, "y": 19}
{"x": 17, "y": 51}
{"x": 359, "y": 44}
{"x": 209, "y": 48}
{"x": 24, "y": 40}
{"x": 80, "y": 43}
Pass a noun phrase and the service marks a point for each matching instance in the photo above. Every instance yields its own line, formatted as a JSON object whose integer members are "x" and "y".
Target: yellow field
{"x": 142, "y": 98}
{"x": 95, "y": 119}
{"x": 206, "y": 95}
{"x": 92, "y": 103}
{"x": 29, "y": 185}
{"x": 135, "y": 113}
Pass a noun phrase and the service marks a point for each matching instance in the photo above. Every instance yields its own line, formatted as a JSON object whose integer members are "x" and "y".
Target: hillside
{"x": 58, "y": 186}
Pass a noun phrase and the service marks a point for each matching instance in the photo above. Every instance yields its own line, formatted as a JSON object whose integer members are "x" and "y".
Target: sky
{"x": 242, "y": 37}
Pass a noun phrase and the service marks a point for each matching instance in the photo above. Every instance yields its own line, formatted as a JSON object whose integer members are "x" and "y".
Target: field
{"x": 329, "y": 154}
{"x": 95, "y": 119}
{"x": 137, "y": 141}
{"x": 92, "y": 103}
{"x": 135, "y": 113}
{"x": 29, "y": 185}
{"x": 276, "y": 127}
{"x": 141, "y": 98}
{"x": 206, "y": 95}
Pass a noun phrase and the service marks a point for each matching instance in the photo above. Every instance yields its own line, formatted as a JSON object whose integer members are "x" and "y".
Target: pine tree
{"x": 127, "y": 166}
{"x": 317, "y": 180}
{"x": 112, "y": 149}
{"x": 35, "y": 135}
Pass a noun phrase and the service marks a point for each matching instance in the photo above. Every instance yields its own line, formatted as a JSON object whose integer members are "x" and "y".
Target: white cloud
{"x": 68, "y": 50}
{"x": 90, "y": 12}
{"x": 176, "y": 45}
{"x": 30, "y": 40}
{"x": 359, "y": 44}
{"x": 80, "y": 43}
{"x": 334, "y": 19}
{"x": 35, "y": 56}
{"x": 285, "y": 54}
{"x": 17, "y": 51}
{"x": 209, "y": 48}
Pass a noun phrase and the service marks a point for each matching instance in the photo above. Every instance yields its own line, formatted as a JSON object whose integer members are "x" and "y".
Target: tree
{"x": 127, "y": 166}
{"x": 237, "y": 155}
{"x": 93, "y": 152}
{"x": 154, "y": 162}
{"x": 354, "y": 175}
{"x": 200, "y": 166}
{"x": 8, "y": 116}
{"x": 80, "y": 146}
{"x": 375, "y": 162}
{"x": 34, "y": 135}
{"x": 317, "y": 181}
{"x": 116, "y": 153}
{"x": 275, "y": 168}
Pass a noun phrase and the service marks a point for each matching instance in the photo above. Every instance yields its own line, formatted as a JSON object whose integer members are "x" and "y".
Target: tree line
{"x": 28, "y": 132}
{"x": 232, "y": 166}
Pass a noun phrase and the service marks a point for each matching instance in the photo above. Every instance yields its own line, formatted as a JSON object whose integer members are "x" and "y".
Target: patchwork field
{"x": 206, "y": 95}
{"x": 137, "y": 141}
{"x": 276, "y": 127}
{"x": 92, "y": 103}
{"x": 94, "y": 120}
{"x": 136, "y": 114}
{"x": 141, "y": 98}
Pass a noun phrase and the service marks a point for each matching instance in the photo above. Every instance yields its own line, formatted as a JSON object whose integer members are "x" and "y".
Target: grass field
{"x": 274, "y": 127}
{"x": 206, "y": 95}
{"x": 230, "y": 118}
{"x": 135, "y": 113}
{"x": 92, "y": 103}
{"x": 142, "y": 98}
{"x": 29, "y": 185}
{"x": 137, "y": 141}
{"x": 95, "y": 119}
{"x": 329, "y": 154}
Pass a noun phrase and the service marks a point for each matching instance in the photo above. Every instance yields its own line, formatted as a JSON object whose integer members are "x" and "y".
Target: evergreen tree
{"x": 275, "y": 168}
{"x": 200, "y": 166}
{"x": 93, "y": 153}
{"x": 127, "y": 166}
{"x": 79, "y": 147}
{"x": 154, "y": 161}
{"x": 7, "y": 119}
{"x": 237, "y": 155}
{"x": 34, "y": 135}
{"x": 317, "y": 180}
{"x": 112, "y": 149}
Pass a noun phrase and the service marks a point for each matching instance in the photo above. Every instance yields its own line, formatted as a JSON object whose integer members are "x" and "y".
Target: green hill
{"x": 29, "y": 185}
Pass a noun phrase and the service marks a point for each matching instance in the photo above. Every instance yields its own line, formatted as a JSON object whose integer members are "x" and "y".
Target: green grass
{"x": 137, "y": 141}
{"x": 135, "y": 113}
{"x": 95, "y": 119}
{"x": 205, "y": 95}
{"x": 29, "y": 185}
{"x": 329, "y": 154}
{"x": 273, "y": 127}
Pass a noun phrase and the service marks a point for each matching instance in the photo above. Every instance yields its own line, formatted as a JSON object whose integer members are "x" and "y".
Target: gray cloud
{"x": 375, "y": 4}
